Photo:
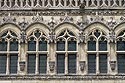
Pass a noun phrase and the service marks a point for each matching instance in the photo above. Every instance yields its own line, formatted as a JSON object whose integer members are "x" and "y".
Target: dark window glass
{"x": 121, "y": 45}
{"x": 3, "y": 45}
{"x": 91, "y": 63}
{"x": 102, "y": 45}
{"x": 71, "y": 45}
{"x": 42, "y": 63}
{"x": 121, "y": 63}
{"x": 103, "y": 63}
{"x": 43, "y": 45}
{"x": 61, "y": 46}
{"x": 32, "y": 45}
{"x": 14, "y": 45}
{"x": 60, "y": 63}
{"x": 91, "y": 45}
{"x": 3, "y": 61}
{"x": 71, "y": 63}
{"x": 13, "y": 64}
{"x": 31, "y": 63}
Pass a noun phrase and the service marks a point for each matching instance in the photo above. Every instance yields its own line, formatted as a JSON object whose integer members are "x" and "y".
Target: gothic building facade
{"x": 57, "y": 41}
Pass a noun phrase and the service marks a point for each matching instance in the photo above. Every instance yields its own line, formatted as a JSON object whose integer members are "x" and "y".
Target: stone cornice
{"x": 62, "y": 77}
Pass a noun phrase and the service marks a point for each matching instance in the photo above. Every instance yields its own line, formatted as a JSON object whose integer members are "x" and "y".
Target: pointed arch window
{"x": 121, "y": 52}
{"x": 8, "y": 53}
{"x": 37, "y": 53}
{"x": 66, "y": 52}
{"x": 97, "y": 52}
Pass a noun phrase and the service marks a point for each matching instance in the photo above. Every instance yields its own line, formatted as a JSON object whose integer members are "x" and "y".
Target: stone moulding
{"x": 62, "y": 77}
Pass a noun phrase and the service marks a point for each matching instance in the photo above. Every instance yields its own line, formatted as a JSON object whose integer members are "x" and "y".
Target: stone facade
{"x": 51, "y": 17}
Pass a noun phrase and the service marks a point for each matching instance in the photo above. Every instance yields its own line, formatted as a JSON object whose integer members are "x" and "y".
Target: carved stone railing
{"x": 60, "y": 4}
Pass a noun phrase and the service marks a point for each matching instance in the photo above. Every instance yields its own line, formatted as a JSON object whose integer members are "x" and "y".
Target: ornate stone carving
{"x": 9, "y": 19}
{"x": 23, "y": 36}
{"x": 112, "y": 37}
{"x": 111, "y": 23}
{"x": 52, "y": 37}
{"x": 37, "y": 18}
{"x": 22, "y": 65}
{"x": 52, "y": 66}
{"x": 23, "y": 24}
{"x": 113, "y": 65}
{"x": 52, "y": 23}
{"x": 82, "y": 37}
{"x": 82, "y": 65}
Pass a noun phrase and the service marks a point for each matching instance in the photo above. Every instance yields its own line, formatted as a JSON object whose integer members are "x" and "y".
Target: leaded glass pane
{"x": 60, "y": 63}
{"x": 91, "y": 45}
{"x": 42, "y": 45}
{"x": 42, "y": 63}
{"x": 3, "y": 45}
{"x": 71, "y": 45}
{"x": 121, "y": 45}
{"x": 121, "y": 63}
{"x": 13, "y": 63}
{"x": 61, "y": 46}
{"x": 102, "y": 45}
{"x": 3, "y": 61}
{"x": 31, "y": 63}
{"x": 14, "y": 45}
{"x": 92, "y": 63}
{"x": 72, "y": 63}
{"x": 103, "y": 63}
{"x": 32, "y": 45}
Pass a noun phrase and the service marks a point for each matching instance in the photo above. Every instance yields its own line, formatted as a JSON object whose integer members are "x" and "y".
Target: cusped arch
{"x": 67, "y": 26}
{"x": 10, "y": 26}
{"x": 119, "y": 28}
{"x": 96, "y": 25}
{"x": 37, "y": 26}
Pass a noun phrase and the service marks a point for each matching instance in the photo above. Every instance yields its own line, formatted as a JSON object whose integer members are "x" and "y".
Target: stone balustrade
{"x": 60, "y": 4}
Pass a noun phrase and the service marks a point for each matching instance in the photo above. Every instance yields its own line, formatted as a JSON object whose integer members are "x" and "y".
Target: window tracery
{"x": 97, "y": 52}
{"x": 8, "y": 52}
{"x": 37, "y": 53}
{"x": 66, "y": 53}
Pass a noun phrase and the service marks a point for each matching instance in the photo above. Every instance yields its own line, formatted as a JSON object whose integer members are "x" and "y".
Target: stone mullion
{"x": 8, "y": 58}
{"x": 8, "y": 64}
{"x": 66, "y": 63}
{"x": 97, "y": 63}
{"x": 37, "y": 57}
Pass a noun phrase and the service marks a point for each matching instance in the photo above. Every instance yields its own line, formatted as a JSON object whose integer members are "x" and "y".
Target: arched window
{"x": 66, "y": 50}
{"x": 8, "y": 53}
{"x": 97, "y": 52}
{"x": 37, "y": 53}
{"x": 121, "y": 52}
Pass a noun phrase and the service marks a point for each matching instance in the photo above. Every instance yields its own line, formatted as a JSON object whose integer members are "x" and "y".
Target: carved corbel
{"x": 82, "y": 65}
{"x": 112, "y": 65}
{"x": 22, "y": 65}
{"x": 52, "y": 66}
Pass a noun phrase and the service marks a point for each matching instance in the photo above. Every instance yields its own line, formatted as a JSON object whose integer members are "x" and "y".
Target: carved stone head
{"x": 52, "y": 66}
{"x": 22, "y": 65}
{"x": 113, "y": 65}
{"x": 82, "y": 65}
